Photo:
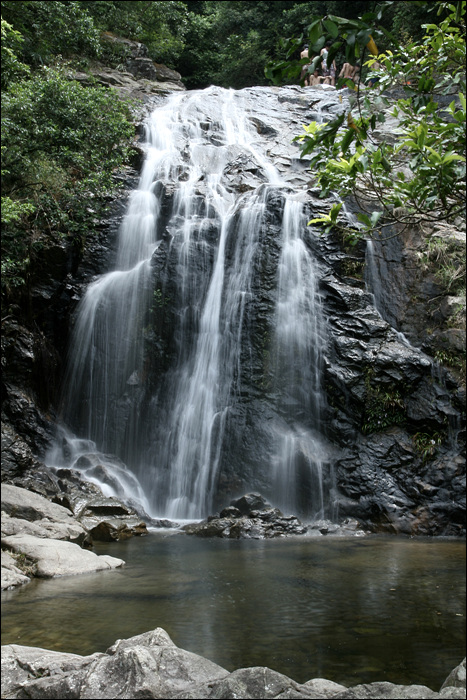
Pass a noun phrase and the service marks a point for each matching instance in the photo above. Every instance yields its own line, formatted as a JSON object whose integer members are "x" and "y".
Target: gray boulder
{"x": 456, "y": 678}
{"x": 26, "y": 512}
{"x": 145, "y": 666}
{"x": 254, "y": 682}
{"x": 58, "y": 558}
{"x": 20, "y": 503}
{"x": 73, "y": 531}
{"x": 387, "y": 690}
{"x": 21, "y": 665}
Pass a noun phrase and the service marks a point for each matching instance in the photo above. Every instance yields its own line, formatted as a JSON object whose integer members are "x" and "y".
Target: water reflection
{"x": 349, "y": 610}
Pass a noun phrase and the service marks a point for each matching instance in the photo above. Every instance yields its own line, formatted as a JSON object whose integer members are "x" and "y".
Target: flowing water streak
{"x": 107, "y": 348}
{"x": 203, "y": 395}
{"x": 106, "y": 355}
{"x": 299, "y": 344}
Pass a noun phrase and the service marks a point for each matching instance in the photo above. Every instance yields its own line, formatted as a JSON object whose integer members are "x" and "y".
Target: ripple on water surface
{"x": 352, "y": 611}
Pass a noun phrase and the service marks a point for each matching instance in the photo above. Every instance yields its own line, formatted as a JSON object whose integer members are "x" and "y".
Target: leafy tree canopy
{"x": 61, "y": 141}
{"x": 419, "y": 173}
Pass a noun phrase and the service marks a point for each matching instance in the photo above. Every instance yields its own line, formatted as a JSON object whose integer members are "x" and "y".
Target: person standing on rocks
{"x": 328, "y": 71}
{"x": 304, "y": 75}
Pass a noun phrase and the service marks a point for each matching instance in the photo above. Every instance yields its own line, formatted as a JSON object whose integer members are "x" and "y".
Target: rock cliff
{"x": 393, "y": 418}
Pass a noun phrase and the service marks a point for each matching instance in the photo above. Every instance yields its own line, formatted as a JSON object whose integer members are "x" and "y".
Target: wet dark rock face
{"x": 393, "y": 426}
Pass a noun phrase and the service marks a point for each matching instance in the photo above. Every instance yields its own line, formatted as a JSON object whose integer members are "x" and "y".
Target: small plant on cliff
{"x": 426, "y": 443}
{"x": 446, "y": 256}
{"x": 384, "y": 406}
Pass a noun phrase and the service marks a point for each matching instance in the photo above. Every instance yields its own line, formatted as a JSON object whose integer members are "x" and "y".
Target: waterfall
{"x": 191, "y": 252}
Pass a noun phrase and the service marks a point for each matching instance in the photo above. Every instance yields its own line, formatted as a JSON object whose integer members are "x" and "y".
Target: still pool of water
{"x": 350, "y": 610}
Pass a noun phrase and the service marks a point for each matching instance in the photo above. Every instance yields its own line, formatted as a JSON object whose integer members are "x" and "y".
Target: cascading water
{"x": 298, "y": 350}
{"x": 196, "y": 260}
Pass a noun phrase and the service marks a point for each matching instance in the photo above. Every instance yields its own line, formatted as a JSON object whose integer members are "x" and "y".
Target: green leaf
{"x": 322, "y": 220}
{"x": 314, "y": 32}
{"x": 318, "y": 45}
{"x": 449, "y": 157}
{"x": 347, "y": 140}
{"x": 331, "y": 27}
{"x": 364, "y": 219}
{"x": 334, "y": 213}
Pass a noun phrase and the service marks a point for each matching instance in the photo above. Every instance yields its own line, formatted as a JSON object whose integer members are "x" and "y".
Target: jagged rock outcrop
{"x": 250, "y": 516}
{"x": 143, "y": 78}
{"x": 151, "y": 666}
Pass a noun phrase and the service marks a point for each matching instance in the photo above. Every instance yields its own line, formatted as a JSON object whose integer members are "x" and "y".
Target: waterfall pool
{"x": 351, "y": 610}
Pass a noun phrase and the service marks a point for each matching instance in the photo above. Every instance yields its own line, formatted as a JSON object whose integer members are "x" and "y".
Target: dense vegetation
{"x": 62, "y": 142}
{"x": 418, "y": 175}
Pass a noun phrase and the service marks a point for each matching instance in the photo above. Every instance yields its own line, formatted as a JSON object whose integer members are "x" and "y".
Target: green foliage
{"x": 51, "y": 28}
{"x": 426, "y": 443}
{"x": 242, "y": 56}
{"x": 12, "y": 67}
{"x": 419, "y": 173}
{"x": 61, "y": 143}
{"x": 13, "y": 211}
{"x": 384, "y": 406}
{"x": 229, "y": 43}
{"x": 161, "y": 26}
{"x": 52, "y": 119}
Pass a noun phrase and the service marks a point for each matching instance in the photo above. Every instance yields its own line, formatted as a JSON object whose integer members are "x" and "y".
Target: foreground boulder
{"x": 150, "y": 665}
{"x": 249, "y": 517}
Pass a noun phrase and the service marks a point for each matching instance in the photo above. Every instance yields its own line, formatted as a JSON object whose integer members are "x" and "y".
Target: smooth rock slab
{"x": 44, "y": 528}
{"x": 58, "y": 558}
{"x": 27, "y": 505}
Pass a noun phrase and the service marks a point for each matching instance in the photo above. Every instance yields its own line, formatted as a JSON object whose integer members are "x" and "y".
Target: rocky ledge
{"x": 137, "y": 76}
{"x": 150, "y": 665}
{"x": 45, "y": 539}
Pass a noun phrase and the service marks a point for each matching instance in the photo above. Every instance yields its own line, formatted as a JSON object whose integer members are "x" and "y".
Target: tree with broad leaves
{"x": 419, "y": 174}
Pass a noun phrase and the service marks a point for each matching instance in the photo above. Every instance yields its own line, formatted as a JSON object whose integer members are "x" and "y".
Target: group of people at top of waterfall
{"x": 326, "y": 75}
